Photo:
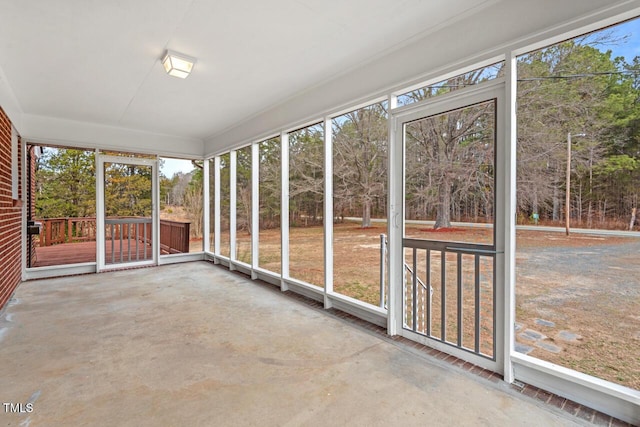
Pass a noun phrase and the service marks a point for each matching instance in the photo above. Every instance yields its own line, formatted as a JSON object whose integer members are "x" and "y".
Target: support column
{"x": 284, "y": 208}
{"x": 395, "y": 221}
{"x": 233, "y": 190}
{"x": 100, "y": 231}
{"x": 328, "y": 211}
{"x": 255, "y": 207}
{"x": 506, "y": 236}
{"x": 216, "y": 207}
{"x": 206, "y": 205}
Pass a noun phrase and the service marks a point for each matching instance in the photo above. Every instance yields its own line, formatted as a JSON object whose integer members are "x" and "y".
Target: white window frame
{"x": 15, "y": 166}
{"x": 101, "y": 159}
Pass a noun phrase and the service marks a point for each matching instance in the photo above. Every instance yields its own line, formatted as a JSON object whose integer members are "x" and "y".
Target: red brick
{"x": 571, "y": 407}
{"x": 468, "y": 366}
{"x": 586, "y": 413}
{"x": 619, "y": 423}
{"x": 496, "y": 378}
{"x": 10, "y": 217}
{"x": 543, "y": 395}
{"x": 530, "y": 391}
{"x": 485, "y": 373}
{"x": 458, "y": 363}
{"x": 557, "y": 401}
{"x": 601, "y": 419}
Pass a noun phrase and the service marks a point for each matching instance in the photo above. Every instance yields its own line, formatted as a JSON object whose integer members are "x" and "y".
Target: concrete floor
{"x": 195, "y": 345}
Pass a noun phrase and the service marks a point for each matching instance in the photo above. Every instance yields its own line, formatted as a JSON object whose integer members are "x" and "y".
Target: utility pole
{"x": 567, "y": 204}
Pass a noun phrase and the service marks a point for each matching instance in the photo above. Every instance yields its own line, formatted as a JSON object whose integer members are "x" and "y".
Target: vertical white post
{"x": 206, "y": 205}
{"x": 100, "y": 231}
{"x": 284, "y": 208}
{"x": 216, "y": 207}
{"x": 383, "y": 270}
{"x": 395, "y": 221}
{"x": 328, "y": 212}
{"x": 26, "y": 196}
{"x": 155, "y": 210}
{"x": 15, "y": 167}
{"x": 567, "y": 199}
{"x": 255, "y": 207}
{"x": 506, "y": 235}
{"x": 233, "y": 183}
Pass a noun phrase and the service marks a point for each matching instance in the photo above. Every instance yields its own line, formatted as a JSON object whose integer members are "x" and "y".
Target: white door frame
{"x": 399, "y": 116}
{"x": 100, "y": 211}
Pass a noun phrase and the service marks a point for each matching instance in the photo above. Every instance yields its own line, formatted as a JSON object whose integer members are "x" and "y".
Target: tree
{"x": 306, "y": 175}
{"x": 243, "y": 189}
{"x": 225, "y": 193}
{"x": 193, "y": 198}
{"x": 270, "y": 183}
{"x": 449, "y": 157}
{"x": 360, "y": 159}
{"x": 573, "y": 87}
{"x": 65, "y": 183}
{"x": 128, "y": 190}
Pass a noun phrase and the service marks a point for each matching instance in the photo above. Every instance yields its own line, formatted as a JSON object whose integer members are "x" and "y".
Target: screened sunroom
{"x": 464, "y": 175}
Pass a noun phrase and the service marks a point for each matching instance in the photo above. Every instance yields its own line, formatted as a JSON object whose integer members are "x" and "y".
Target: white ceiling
{"x": 98, "y": 61}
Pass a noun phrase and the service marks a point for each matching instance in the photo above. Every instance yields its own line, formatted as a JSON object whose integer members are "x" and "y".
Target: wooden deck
{"x": 65, "y": 253}
{"x": 73, "y": 253}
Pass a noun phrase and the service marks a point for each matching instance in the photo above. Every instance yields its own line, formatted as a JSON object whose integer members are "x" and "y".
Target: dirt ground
{"x": 582, "y": 294}
{"x": 577, "y": 297}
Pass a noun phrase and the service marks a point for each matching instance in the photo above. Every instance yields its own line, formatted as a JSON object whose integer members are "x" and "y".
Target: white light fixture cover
{"x": 177, "y": 64}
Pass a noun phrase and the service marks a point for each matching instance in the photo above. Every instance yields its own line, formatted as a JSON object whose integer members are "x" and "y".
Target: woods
{"x": 573, "y": 87}
{"x": 65, "y": 184}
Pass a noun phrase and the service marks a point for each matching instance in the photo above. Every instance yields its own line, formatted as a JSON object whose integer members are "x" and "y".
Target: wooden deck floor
{"x": 73, "y": 253}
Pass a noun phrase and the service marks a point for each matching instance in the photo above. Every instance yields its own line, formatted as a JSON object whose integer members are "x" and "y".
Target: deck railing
{"x": 67, "y": 230}
{"x": 174, "y": 235}
{"x": 459, "y": 308}
{"x": 131, "y": 237}
{"x": 383, "y": 274}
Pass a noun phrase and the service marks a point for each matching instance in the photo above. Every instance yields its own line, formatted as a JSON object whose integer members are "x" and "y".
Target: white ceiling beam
{"x": 53, "y": 131}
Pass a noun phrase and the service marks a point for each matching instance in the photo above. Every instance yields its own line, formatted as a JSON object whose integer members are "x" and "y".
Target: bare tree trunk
{"x": 590, "y": 209}
{"x": 475, "y": 210}
{"x": 443, "y": 213}
{"x": 488, "y": 211}
{"x": 366, "y": 214}
{"x": 633, "y": 219}
{"x": 603, "y": 211}
{"x": 579, "y": 204}
{"x": 556, "y": 204}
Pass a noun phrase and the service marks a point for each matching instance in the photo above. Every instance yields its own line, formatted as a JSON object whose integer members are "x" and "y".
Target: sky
{"x": 173, "y": 166}
{"x": 630, "y": 47}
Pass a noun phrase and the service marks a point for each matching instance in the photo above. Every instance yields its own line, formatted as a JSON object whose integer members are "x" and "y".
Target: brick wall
{"x": 10, "y": 218}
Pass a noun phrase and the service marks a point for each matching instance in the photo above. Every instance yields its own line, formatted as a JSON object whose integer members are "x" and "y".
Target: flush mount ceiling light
{"x": 177, "y": 64}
